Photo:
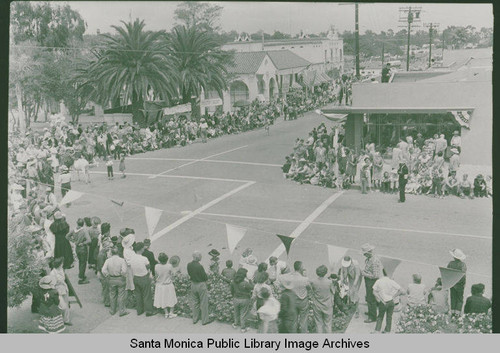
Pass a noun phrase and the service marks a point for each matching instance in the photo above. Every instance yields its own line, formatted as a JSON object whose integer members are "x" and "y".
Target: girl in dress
{"x": 61, "y": 287}
{"x": 51, "y": 319}
{"x": 165, "y": 297}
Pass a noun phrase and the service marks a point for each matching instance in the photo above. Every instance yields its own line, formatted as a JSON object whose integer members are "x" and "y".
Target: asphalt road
{"x": 237, "y": 180}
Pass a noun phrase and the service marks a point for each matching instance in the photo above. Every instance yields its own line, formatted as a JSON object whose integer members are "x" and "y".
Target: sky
{"x": 285, "y": 17}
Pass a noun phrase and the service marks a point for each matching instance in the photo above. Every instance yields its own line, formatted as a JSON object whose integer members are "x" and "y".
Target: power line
{"x": 409, "y": 15}
{"x": 431, "y": 27}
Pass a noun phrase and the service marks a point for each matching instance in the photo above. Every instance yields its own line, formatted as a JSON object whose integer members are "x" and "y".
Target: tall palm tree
{"x": 131, "y": 64}
{"x": 199, "y": 62}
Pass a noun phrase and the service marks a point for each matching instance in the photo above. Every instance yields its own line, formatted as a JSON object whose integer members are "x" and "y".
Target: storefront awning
{"x": 392, "y": 110}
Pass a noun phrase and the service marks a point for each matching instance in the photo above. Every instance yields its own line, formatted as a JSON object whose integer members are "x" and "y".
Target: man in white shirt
{"x": 456, "y": 141}
{"x": 115, "y": 269}
{"x": 385, "y": 291}
{"x": 142, "y": 281}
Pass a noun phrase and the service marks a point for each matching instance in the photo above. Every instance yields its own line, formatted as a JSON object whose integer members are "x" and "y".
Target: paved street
{"x": 237, "y": 179}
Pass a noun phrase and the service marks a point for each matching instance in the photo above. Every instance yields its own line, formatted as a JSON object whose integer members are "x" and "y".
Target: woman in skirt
{"x": 51, "y": 319}
{"x": 165, "y": 297}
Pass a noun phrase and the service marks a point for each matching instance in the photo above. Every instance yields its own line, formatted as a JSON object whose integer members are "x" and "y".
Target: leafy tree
{"x": 48, "y": 25}
{"x": 198, "y": 61}
{"x": 128, "y": 66}
{"x": 198, "y": 14}
{"x": 279, "y": 35}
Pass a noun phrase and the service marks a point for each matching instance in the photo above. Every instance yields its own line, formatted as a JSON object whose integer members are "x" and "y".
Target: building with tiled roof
{"x": 261, "y": 75}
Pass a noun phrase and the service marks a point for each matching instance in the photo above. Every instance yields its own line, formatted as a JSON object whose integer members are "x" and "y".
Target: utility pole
{"x": 409, "y": 15}
{"x": 356, "y": 30}
{"x": 383, "y": 53}
{"x": 356, "y": 36}
{"x": 431, "y": 27}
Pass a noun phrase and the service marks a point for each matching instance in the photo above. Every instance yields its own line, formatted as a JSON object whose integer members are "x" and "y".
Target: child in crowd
{"x": 413, "y": 186}
{"x": 465, "y": 187}
{"x": 480, "y": 188}
{"x": 122, "y": 165}
{"x": 417, "y": 293}
{"x": 229, "y": 271}
{"x": 438, "y": 298}
{"x": 394, "y": 178}
{"x": 109, "y": 166}
{"x": 386, "y": 183}
{"x": 437, "y": 183}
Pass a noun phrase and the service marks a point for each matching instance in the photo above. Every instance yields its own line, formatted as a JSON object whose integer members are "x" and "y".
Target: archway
{"x": 273, "y": 91}
{"x": 239, "y": 92}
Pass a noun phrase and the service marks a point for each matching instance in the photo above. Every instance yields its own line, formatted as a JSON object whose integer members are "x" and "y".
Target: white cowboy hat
{"x": 458, "y": 254}
{"x": 367, "y": 248}
{"x": 346, "y": 261}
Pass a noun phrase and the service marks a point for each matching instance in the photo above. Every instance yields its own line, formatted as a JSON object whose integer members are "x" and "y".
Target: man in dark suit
{"x": 386, "y": 73}
{"x": 149, "y": 255}
{"x": 403, "y": 179}
{"x": 476, "y": 303}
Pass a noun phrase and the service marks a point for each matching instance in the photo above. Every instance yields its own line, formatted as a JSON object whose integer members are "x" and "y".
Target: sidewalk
{"x": 357, "y": 325}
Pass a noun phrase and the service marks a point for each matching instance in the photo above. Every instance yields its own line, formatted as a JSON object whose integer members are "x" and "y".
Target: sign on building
{"x": 211, "y": 102}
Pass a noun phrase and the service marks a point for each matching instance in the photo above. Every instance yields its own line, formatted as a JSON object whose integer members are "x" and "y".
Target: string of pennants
{"x": 235, "y": 234}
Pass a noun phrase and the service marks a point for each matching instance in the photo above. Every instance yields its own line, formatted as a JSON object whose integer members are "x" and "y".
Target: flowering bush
{"x": 475, "y": 323}
{"x": 423, "y": 319}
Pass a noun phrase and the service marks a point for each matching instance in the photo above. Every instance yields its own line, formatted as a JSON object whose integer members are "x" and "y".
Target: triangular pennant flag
{"x": 234, "y": 235}
{"x": 390, "y": 265}
{"x": 450, "y": 277}
{"x": 70, "y": 197}
{"x": 152, "y": 218}
{"x": 287, "y": 242}
{"x": 335, "y": 253}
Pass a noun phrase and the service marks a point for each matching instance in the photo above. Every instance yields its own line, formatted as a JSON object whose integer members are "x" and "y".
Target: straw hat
{"x": 367, "y": 248}
{"x": 58, "y": 215}
{"x": 346, "y": 261}
{"x": 458, "y": 254}
{"x": 128, "y": 241}
{"x": 47, "y": 282}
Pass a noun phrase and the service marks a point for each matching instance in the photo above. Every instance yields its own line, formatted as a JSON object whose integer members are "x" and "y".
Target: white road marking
{"x": 207, "y": 161}
{"x": 183, "y": 177}
{"x": 197, "y": 160}
{"x": 302, "y": 226}
{"x": 199, "y": 210}
{"x": 348, "y": 225}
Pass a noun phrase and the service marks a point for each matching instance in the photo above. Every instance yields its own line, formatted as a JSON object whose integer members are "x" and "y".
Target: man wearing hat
{"x": 403, "y": 179}
{"x": 148, "y": 254}
{"x": 457, "y": 291}
{"x": 288, "y": 306}
{"x": 372, "y": 272}
{"x": 350, "y": 281}
{"x": 142, "y": 281}
{"x": 199, "y": 291}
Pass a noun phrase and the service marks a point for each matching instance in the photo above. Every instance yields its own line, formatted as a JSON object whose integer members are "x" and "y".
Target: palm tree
{"x": 133, "y": 63}
{"x": 198, "y": 61}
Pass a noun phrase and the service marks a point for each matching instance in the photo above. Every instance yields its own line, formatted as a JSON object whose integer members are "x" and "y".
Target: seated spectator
{"x": 417, "y": 293}
{"x": 451, "y": 185}
{"x": 476, "y": 303}
{"x": 465, "y": 188}
{"x": 438, "y": 298}
{"x": 480, "y": 188}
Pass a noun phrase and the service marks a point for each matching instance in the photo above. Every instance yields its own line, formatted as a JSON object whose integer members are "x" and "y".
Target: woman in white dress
{"x": 165, "y": 297}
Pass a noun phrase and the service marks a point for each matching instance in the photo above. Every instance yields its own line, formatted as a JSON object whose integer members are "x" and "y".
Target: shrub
{"x": 24, "y": 263}
{"x": 423, "y": 319}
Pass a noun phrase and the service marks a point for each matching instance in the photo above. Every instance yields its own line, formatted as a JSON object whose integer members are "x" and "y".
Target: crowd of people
{"x": 416, "y": 166}
{"x": 279, "y": 296}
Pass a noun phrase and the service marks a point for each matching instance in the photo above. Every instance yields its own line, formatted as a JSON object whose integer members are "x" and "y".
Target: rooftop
{"x": 249, "y": 62}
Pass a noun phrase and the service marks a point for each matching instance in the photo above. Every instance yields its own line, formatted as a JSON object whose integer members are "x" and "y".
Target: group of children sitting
{"x": 317, "y": 161}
